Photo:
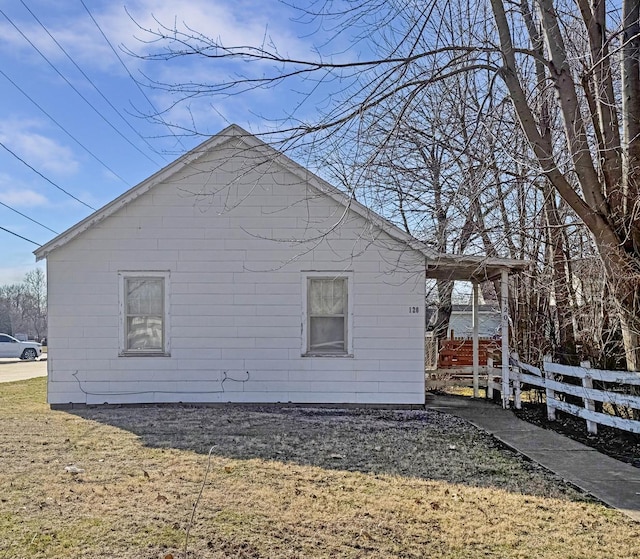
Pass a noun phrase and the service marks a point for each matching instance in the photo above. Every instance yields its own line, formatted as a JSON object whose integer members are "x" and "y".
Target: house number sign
{"x": 414, "y": 310}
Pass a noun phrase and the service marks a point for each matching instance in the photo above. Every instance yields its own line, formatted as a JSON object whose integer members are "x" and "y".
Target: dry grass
{"x": 283, "y": 483}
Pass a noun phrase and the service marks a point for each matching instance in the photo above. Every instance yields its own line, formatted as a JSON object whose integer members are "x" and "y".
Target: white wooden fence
{"x": 550, "y": 379}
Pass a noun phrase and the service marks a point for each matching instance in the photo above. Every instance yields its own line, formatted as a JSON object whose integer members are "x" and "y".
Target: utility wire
{"x": 63, "y": 128}
{"x": 91, "y": 82}
{"x": 45, "y": 178}
{"x": 20, "y": 236}
{"x": 104, "y": 118}
{"x": 131, "y": 75}
{"x": 27, "y": 217}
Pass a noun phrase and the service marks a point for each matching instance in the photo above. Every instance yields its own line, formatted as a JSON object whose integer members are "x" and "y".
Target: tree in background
{"x": 23, "y": 306}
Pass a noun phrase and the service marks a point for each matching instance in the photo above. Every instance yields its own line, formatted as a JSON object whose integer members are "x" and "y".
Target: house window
{"x": 144, "y": 306}
{"x": 327, "y": 315}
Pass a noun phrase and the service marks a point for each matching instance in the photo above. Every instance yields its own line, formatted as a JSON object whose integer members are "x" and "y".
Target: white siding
{"x": 236, "y": 252}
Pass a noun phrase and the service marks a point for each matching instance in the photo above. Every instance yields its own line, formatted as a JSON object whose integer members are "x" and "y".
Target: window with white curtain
{"x": 143, "y": 306}
{"x": 327, "y": 315}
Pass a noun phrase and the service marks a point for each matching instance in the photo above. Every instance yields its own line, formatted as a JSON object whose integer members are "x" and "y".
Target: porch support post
{"x": 504, "y": 284}
{"x": 476, "y": 344}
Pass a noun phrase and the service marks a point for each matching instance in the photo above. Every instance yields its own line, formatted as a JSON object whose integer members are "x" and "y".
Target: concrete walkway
{"x": 615, "y": 483}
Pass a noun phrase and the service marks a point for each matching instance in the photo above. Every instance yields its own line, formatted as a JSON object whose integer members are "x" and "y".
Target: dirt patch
{"x": 618, "y": 444}
{"x": 280, "y": 483}
{"x": 418, "y": 444}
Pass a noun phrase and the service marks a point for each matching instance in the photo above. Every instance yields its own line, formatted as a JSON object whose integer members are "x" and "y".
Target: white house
{"x": 236, "y": 275}
{"x": 461, "y": 321}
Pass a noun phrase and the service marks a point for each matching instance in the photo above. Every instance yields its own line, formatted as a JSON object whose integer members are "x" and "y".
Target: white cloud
{"x": 22, "y": 198}
{"x": 236, "y": 22}
{"x": 44, "y": 153}
{"x": 77, "y": 35}
{"x": 18, "y": 194}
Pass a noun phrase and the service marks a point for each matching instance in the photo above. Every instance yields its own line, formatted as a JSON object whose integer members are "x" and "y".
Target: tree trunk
{"x": 445, "y": 293}
{"x": 624, "y": 282}
{"x": 628, "y": 290}
{"x": 560, "y": 286}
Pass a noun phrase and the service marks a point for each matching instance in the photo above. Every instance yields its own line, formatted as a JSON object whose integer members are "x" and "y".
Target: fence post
{"x": 550, "y": 394}
{"x": 489, "y": 378}
{"x": 517, "y": 385}
{"x": 590, "y": 405}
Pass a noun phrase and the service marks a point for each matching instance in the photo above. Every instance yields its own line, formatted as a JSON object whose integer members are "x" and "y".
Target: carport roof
{"x": 470, "y": 268}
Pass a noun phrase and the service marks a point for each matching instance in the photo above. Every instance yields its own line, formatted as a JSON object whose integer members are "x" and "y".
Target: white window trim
{"x": 304, "y": 279}
{"x": 166, "y": 326}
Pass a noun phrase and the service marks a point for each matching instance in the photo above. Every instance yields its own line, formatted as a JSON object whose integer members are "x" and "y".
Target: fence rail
{"x": 551, "y": 378}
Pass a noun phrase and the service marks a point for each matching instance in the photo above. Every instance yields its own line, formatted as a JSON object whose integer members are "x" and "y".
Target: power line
{"x": 110, "y": 124}
{"x": 63, "y": 128}
{"x": 45, "y": 178}
{"x": 29, "y": 218}
{"x": 130, "y": 75}
{"x": 91, "y": 81}
{"x": 20, "y": 236}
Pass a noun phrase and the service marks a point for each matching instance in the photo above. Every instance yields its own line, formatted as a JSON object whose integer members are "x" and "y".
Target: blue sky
{"x": 61, "y": 131}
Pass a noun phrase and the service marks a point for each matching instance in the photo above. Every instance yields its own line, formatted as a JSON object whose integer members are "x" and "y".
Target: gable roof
{"x": 445, "y": 266}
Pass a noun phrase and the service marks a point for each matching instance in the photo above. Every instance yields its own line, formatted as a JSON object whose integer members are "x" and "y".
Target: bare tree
{"x": 584, "y": 53}
{"x": 598, "y": 179}
{"x": 35, "y": 307}
{"x": 23, "y": 306}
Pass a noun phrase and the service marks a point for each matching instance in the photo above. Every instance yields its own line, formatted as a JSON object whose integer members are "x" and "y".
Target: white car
{"x": 11, "y": 347}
